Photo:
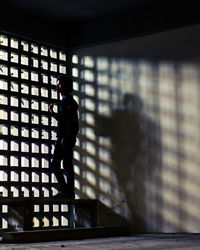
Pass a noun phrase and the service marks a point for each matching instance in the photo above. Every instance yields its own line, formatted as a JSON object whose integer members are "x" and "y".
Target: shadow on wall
{"x": 139, "y": 142}
{"x": 135, "y": 153}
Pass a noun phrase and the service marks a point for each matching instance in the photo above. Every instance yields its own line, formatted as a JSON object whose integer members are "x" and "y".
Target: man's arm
{"x": 55, "y": 115}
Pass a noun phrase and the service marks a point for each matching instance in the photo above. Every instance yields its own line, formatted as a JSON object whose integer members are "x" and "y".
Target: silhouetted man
{"x": 68, "y": 127}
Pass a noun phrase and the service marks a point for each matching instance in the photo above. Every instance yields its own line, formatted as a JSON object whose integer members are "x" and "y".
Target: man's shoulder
{"x": 69, "y": 102}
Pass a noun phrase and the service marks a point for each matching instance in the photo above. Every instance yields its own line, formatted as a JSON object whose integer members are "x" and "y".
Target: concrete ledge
{"x": 64, "y": 234}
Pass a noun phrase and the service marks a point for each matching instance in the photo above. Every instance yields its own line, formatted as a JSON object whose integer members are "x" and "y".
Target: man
{"x": 68, "y": 128}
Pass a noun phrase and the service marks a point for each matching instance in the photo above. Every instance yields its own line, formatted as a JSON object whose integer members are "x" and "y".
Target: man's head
{"x": 64, "y": 84}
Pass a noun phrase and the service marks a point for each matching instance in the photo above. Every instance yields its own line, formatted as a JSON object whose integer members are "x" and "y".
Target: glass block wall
{"x": 28, "y": 72}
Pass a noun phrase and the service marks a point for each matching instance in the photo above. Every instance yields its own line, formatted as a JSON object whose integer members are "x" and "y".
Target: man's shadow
{"x": 135, "y": 154}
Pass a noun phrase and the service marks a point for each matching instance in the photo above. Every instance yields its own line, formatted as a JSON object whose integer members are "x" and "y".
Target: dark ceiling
{"x": 72, "y": 23}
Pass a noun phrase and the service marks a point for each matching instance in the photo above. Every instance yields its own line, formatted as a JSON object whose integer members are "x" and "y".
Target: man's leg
{"x": 56, "y": 166}
{"x": 68, "y": 166}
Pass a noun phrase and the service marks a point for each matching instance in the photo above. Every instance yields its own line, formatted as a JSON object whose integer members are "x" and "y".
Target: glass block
{"x": 36, "y": 222}
{"x": 4, "y": 191}
{"x": 46, "y": 194}
{"x": 64, "y": 221}
{"x": 14, "y": 146}
{"x": 62, "y": 55}
{"x": 54, "y": 122}
{"x": 3, "y": 145}
{"x": 3, "y": 160}
{"x": 75, "y": 72}
{"x": 3, "y": 176}
{"x": 55, "y": 221}
{"x": 24, "y": 147}
{"x": 24, "y": 74}
{"x": 64, "y": 208}
{"x": 62, "y": 69}
{"x": 34, "y": 76}
{"x": 14, "y": 101}
{"x": 24, "y": 60}
{"x": 3, "y": 129}
{"x": 3, "y": 114}
{"x": 45, "y": 106}
{"x": 45, "y": 163}
{"x": 45, "y": 134}
{"x": 53, "y": 80}
{"x": 34, "y": 119}
{"x": 34, "y": 162}
{"x": 36, "y": 208}
{"x": 75, "y": 59}
{"x": 14, "y": 43}
{"x": 36, "y": 192}
{"x": 25, "y": 45}
{"x": 35, "y": 177}
{"x": 24, "y": 177}
{"x": 34, "y": 62}
{"x": 45, "y": 120}
{"x": 53, "y": 179}
{"x": 24, "y": 162}
{"x": 53, "y": 53}
{"x": 4, "y": 209}
{"x": 14, "y": 176}
{"x": 14, "y": 131}
{"x": 44, "y": 78}
{"x": 24, "y": 88}
{"x": 34, "y": 104}
{"x": 14, "y": 58}
{"x": 53, "y": 135}
{"x": 44, "y": 51}
{"x": 24, "y": 117}
{"x": 3, "y": 99}
{"x": 3, "y": 70}
{"x": 55, "y": 208}
{"x": 25, "y": 132}
{"x": 55, "y": 107}
{"x": 25, "y": 103}
{"x": 34, "y": 48}
{"x": 3, "y": 55}
{"x": 46, "y": 222}
{"x": 45, "y": 178}
{"x": 14, "y": 161}
{"x": 76, "y": 86}
{"x": 4, "y": 223}
{"x": 34, "y": 90}
{"x": 44, "y": 64}
{"x": 14, "y": 72}
{"x": 14, "y": 87}
{"x": 53, "y": 67}
{"x": 44, "y": 92}
{"x": 44, "y": 149}
{"x": 3, "y": 85}
{"x": 54, "y": 94}
{"x": 25, "y": 192}
{"x": 34, "y": 133}
{"x": 3, "y": 40}
{"x": 34, "y": 148}
{"x": 46, "y": 208}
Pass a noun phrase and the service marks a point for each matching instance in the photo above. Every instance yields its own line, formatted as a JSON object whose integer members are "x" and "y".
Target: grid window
{"x": 28, "y": 73}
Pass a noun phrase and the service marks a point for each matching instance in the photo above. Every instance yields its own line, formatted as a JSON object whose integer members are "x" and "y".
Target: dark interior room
{"x": 135, "y": 70}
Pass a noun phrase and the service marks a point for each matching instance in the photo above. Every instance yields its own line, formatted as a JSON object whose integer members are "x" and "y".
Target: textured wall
{"x": 140, "y": 128}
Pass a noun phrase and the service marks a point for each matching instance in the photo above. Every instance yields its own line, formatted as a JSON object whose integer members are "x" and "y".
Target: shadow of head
{"x": 133, "y": 102}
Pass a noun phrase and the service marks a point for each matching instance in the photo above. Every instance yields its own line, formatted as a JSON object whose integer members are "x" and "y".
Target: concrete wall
{"x": 139, "y": 146}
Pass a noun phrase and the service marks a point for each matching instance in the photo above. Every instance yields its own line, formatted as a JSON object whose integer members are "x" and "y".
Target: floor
{"x": 140, "y": 241}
